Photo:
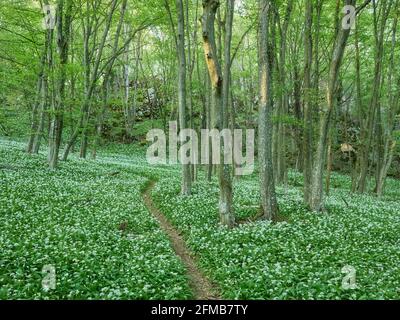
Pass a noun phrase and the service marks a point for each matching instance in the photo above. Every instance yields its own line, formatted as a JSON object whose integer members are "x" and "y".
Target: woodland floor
{"x": 201, "y": 286}
{"x": 117, "y": 228}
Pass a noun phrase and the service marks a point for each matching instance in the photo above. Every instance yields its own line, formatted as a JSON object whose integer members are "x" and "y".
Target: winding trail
{"x": 201, "y": 286}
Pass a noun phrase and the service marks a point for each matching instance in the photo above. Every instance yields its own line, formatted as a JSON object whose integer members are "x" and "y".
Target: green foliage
{"x": 142, "y": 128}
{"x": 299, "y": 259}
{"x": 71, "y": 219}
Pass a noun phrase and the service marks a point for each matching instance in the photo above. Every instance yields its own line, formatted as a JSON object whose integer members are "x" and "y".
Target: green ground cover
{"x": 90, "y": 224}
{"x": 72, "y": 219}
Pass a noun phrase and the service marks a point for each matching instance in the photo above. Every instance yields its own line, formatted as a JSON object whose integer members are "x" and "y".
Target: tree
{"x": 282, "y": 110}
{"x": 269, "y": 203}
{"x": 316, "y": 202}
{"x": 186, "y": 175}
{"x": 40, "y": 103}
{"x": 217, "y": 106}
{"x": 64, "y": 21}
{"x": 308, "y": 128}
{"x": 373, "y": 114}
{"x": 387, "y": 139}
{"x": 106, "y": 85}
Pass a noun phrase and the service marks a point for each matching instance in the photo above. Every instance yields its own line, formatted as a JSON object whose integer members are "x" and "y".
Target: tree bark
{"x": 316, "y": 200}
{"x": 40, "y": 94}
{"x": 186, "y": 185}
{"x": 269, "y": 205}
{"x": 283, "y": 102}
{"x": 106, "y": 87}
{"x": 91, "y": 76}
{"x": 368, "y": 129}
{"x": 307, "y": 125}
{"x": 64, "y": 20}
{"x": 389, "y": 143}
{"x": 210, "y": 8}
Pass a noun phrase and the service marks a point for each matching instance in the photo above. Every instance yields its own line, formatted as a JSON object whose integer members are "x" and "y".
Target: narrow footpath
{"x": 201, "y": 286}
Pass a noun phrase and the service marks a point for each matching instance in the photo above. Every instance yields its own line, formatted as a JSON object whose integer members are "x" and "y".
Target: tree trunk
{"x": 217, "y": 111}
{"x": 91, "y": 76}
{"x": 106, "y": 88}
{"x": 368, "y": 129}
{"x": 307, "y": 134}
{"x": 298, "y": 131}
{"x": 316, "y": 200}
{"x": 186, "y": 175}
{"x": 283, "y": 105}
{"x": 269, "y": 203}
{"x": 43, "y": 113}
{"x": 393, "y": 98}
{"x": 40, "y": 93}
{"x": 64, "y": 20}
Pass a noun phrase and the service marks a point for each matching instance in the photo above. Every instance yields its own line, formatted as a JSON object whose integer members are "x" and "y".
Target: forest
{"x": 199, "y": 150}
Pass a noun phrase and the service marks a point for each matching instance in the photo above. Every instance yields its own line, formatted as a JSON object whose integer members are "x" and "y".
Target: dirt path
{"x": 201, "y": 286}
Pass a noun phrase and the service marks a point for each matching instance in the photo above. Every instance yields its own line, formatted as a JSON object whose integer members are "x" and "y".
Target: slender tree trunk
{"x": 126, "y": 80}
{"x": 283, "y": 104}
{"x": 299, "y": 116}
{"x": 39, "y": 94}
{"x": 191, "y": 60}
{"x": 209, "y": 122}
{"x": 210, "y": 8}
{"x": 389, "y": 143}
{"x": 307, "y": 134}
{"x": 186, "y": 175}
{"x": 38, "y": 135}
{"x": 91, "y": 78}
{"x": 136, "y": 79}
{"x": 64, "y": 20}
{"x": 269, "y": 203}
{"x": 359, "y": 105}
{"x": 42, "y": 118}
{"x": 329, "y": 167}
{"x": 367, "y": 131}
{"x": 388, "y": 158}
{"x": 106, "y": 87}
{"x": 316, "y": 200}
